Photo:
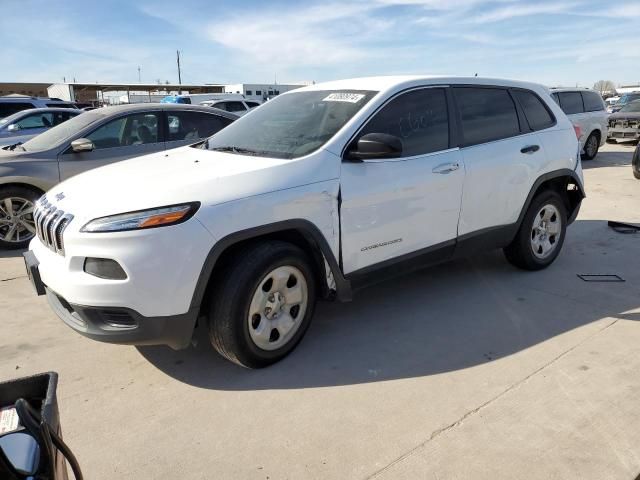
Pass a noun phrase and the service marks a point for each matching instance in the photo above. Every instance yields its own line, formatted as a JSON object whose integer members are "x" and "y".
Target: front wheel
{"x": 17, "y": 226}
{"x": 541, "y": 234}
{"x": 263, "y": 304}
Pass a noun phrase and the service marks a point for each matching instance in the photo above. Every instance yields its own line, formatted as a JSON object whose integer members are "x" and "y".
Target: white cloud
{"x": 523, "y": 10}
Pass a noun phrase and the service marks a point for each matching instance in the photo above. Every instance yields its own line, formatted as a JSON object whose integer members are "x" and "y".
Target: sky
{"x": 568, "y": 43}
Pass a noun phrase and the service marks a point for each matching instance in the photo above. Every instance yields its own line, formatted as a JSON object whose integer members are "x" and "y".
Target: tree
{"x": 604, "y": 86}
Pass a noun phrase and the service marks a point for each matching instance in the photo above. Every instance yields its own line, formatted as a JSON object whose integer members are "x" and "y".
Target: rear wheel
{"x": 263, "y": 304}
{"x": 541, "y": 235}
{"x": 17, "y": 226}
{"x": 591, "y": 146}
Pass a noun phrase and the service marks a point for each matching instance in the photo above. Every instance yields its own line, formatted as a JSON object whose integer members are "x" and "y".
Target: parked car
{"x": 624, "y": 125}
{"x": 623, "y": 100}
{"x": 16, "y": 103}
{"x": 88, "y": 141}
{"x": 635, "y": 162}
{"x": 239, "y": 107}
{"x": 317, "y": 193}
{"x": 586, "y": 110}
{"x": 24, "y": 125}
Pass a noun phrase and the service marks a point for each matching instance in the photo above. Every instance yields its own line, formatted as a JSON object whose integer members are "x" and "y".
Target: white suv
{"x": 587, "y": 111}
{"x": 318, "y": 193}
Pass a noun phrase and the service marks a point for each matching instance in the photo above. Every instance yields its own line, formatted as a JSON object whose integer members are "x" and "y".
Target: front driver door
{"x": 408, "y": 205}
{"x": 118, "y": 139}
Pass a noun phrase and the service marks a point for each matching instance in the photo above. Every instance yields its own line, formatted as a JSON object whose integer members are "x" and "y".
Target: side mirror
{"x": 82, "y": 145}
{"x": 376, "y": 146}
{"x": 21, "y": 451}
{"x": 14, "y": 127}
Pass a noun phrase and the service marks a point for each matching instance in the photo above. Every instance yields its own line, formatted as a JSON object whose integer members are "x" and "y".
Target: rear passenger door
{"x": 408, "y": 205}
{"x": 187, "y": 127}
{"x": 502, "y": 158}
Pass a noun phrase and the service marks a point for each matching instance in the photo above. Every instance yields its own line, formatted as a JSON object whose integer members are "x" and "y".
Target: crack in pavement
{"x": 468, "y": 414}
{"x": 13, "y": 278}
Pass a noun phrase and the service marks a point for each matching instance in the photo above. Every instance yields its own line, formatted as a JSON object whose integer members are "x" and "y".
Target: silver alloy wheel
{"x": 591, "y": 148}
{"x": 16, "y": 220}
{"x": 278, "y": 307}
{"x": 546, "y": 231}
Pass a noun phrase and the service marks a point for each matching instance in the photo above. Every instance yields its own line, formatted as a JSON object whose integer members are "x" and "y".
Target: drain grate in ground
{"x": 598, "y": 277}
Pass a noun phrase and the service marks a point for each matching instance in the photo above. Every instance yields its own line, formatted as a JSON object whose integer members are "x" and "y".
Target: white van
{"x": 587, "y": 110}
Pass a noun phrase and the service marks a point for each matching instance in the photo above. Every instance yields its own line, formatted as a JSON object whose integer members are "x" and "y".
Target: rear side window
{"x": 487, "y": 114}
{"x": 9, "y": 108}
{"x": 419, "y": 118}
{"x": 194, "y": 125}
{"x": 61, "y": 105}
{"x": 571, "y": 102}
{"x": 236, "y": 107}
{"x": 535, "y": 110}
{"x": 592, "y": 102}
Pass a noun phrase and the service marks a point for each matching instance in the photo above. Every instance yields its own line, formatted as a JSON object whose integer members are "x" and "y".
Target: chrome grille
{"x": 51, "y": 223}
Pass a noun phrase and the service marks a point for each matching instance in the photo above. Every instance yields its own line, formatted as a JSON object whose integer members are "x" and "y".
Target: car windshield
{"x": 291, "y": 125}
{"x": 631, "y": 107}
{"x": 58, "y": 134}
{"x": 628, "y": 98}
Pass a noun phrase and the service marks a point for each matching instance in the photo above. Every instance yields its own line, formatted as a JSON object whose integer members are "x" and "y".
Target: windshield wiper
{"x": 240, "y": 150}
{"x": 14, "y": 146}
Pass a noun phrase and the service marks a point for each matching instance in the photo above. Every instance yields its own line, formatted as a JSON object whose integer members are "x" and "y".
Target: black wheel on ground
{"x": 541, "y": 234}
{"x": 611, "y": 140}
{"x": 263, "y": 304}
{"x": 635, "y": 162}
{"x": 17, "y": 227}
{"x": 591, "y": 146}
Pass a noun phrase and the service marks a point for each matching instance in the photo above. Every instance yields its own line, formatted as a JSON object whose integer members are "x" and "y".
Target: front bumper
{"x": 124, "y": 326}
{"x": 624, "y": 134}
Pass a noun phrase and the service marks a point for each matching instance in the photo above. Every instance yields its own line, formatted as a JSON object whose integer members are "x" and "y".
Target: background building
{"x": 261, "y": 91}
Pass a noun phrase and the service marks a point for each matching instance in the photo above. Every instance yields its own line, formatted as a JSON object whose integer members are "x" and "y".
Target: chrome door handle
{"x": 446, "y": 168}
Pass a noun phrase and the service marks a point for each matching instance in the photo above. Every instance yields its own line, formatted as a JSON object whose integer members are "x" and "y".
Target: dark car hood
{"x": 624, "y": 115}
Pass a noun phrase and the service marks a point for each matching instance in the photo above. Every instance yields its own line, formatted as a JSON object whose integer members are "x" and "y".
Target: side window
{"x": 556, "y": 99}
{"x": 137, "y": 129}
{"x": 60, "y": 117}
{"x": 9, "y": 108}
{"x": 487, "y": 114}
{"x": 537, "y": 113}
{"x": 221, "y": 106}
{"x": 236, "y": 107}
{"x": 193, "y": 125}
{"x": 252, "y": 104}
{"x": 38, "y": 120}
{"x": 592, "y": 102}
{"x": 571, "y": 102}
{"x": 419, "y": 118}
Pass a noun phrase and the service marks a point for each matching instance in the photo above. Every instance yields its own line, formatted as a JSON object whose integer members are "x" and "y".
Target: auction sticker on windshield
{"x": 343, "y": 97}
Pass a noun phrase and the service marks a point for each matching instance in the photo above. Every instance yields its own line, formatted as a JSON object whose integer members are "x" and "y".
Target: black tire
{"x": 611, "y": 140}
{"x": 228, "y": 319}
{"x": 22, "y": 193}
{"x": 520, "y": 252}
{"x": 635, "y": 162}
{"x": 591, "y": 146}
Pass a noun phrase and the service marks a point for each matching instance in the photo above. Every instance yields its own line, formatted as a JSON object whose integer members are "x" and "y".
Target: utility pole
{"x": 139, "y": 81}
{"x": 179, "y": 77}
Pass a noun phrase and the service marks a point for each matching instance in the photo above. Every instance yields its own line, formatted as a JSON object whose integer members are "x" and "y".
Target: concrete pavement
{"x": 469, "y": 370}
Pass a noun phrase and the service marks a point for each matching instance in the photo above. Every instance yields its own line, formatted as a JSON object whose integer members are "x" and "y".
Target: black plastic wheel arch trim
{"x": 304, "y": 227}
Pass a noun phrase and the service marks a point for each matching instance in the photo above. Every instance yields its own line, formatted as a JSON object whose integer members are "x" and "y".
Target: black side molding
{"x": 302, "y": 226}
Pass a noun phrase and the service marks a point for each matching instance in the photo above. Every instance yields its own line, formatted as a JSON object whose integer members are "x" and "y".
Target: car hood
{"x": 624, "y": 115}
{"x": 183, "y": 175}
